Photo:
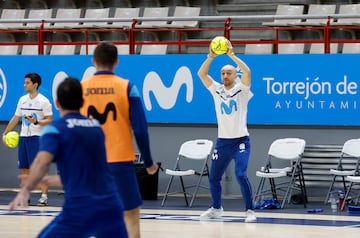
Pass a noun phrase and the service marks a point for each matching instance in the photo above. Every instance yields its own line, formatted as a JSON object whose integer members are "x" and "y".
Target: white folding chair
{"x": 153, "y": 49}
{"x": 66, "y": 13}
{"x": 183, "y": 11}
{"x": 192, "y": 160}
{"x": 348, "y": 165}
{"x": 286, "y": 10}
{"x": 12, "y": 14}
{"x": 128, "y": 13}
{"x": 259, "y": 48}
{"x": 153, "y": 12}
{"x": 38, "y": 14}
{"x": 283, "y": 170}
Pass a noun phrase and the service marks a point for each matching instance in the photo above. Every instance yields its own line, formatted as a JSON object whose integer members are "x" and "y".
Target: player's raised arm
{"x": 204, "y": 69}
{"x": 246, "y": 73}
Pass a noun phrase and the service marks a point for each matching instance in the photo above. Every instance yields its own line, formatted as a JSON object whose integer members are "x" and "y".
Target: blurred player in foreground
{"x": 76, "y": 144}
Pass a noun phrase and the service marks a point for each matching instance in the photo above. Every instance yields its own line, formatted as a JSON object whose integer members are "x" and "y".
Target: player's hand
{"x": 3, "y": 138}
{"x": 211, "y": 53}
{"x": 21, "y": 200}
{"x": 230, "y": 51}
{"x": 152, "y": 169}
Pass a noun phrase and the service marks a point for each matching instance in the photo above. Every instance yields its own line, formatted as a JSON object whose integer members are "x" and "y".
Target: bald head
{"x": 228, "y": 76}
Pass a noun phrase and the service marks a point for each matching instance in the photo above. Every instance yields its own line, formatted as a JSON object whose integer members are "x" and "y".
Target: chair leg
{"x": 259, "y": 190}
{"x": 184, "y": 191}
{"x": 289, "y": 189}
{"x": 303, "y": 189}
{"x": 196, "y": 190}
{"x": 302, "y": 178}
{"x": 273, "y": 188}
{"x": 167, "y": 190}
{"x": 330, "y": 190}
{"x": 346, "y": 195}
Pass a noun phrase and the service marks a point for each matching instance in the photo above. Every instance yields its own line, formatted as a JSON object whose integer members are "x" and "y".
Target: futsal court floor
{"x": 175, "y": 220}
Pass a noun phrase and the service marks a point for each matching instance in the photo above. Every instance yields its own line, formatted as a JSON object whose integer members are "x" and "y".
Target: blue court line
{"x": 263, "y": 220}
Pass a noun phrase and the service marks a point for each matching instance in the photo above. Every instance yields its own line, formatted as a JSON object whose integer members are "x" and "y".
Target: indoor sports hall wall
{"x": 315, "y": 97}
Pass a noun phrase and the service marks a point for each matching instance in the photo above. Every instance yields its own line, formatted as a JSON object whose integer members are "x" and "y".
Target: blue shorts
{"x": 82, "y": 218}
{"x": 128, "y": 187}
{"x": 27, "y": 150}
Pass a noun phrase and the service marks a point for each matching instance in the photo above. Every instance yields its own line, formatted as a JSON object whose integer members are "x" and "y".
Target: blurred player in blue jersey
{"x": 233, "y": 143}
{"x": 92, "y": 206}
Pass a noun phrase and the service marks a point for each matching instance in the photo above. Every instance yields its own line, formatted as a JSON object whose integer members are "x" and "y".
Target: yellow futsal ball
{"x": 218, "y": 45}
{"x": 12, "y": 139}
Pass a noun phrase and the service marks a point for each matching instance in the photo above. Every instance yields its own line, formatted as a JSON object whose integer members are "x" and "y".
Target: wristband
{"x": 36, "y": 122}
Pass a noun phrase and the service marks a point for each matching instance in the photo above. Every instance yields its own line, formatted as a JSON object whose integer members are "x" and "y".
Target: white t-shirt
{"x": 231, "y": 109}
{"x": 38, "y": 107}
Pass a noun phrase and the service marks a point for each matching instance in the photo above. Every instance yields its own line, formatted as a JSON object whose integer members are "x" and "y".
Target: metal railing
{"x": 229, "y": 26}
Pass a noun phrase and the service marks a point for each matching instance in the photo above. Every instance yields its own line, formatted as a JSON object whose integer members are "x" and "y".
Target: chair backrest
{"x": 183, "y": 11}
{"x": 153, "y": 49}
{"x": 122, "y": 49}
{"x": 295, "y": 48}
{"x": 320, "y": 9}
{"x": 154, "y": 12}
{"x": 199, "y": 149}
{"x": 12, "y": 14}
{"x": 11, "y": 4}
{"x": 29, "y": 50}
{"x": 351, "y": 48}
{"x": 7, "y": 37}
{"x": 91, "y": 49}
{"x": 62, "y": 50}
{"x": 349, "y": 9}
{"x": 38, "y": 14}
{"x": 288, "y": 10}
{"x": 287, "y": 148}
{"x": 259, "y": 48}
{"x": 67, "y": 13}
{"x": 352, "y": 148}
{"x": 129, "y": 13}
{"x": 9, "y": 49}
{"x": 318, "y": 48}
{"x": 96, "y": 13}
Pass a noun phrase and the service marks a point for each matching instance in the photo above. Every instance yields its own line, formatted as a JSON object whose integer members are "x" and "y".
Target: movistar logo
{"x": 60, "y": 76}
{"x": 166, "y": 97}
{"x": 3, "y": 87}
{"x": 102, "y": 117}
{"x": 228, "y": 109}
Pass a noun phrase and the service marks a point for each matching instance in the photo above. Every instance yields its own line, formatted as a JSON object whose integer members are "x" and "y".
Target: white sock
{"x": 44, "y": 195}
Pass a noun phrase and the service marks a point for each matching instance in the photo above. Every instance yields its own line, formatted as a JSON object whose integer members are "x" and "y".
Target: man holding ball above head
{"x": 35, "y": 111}
{"x": 233, "y": 142}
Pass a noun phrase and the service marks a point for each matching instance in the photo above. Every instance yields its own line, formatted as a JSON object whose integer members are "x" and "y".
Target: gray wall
{"x": 166, "y": 139}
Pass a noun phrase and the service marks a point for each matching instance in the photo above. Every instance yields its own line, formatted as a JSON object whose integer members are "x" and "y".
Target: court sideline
{"x": 175, "y": 220}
